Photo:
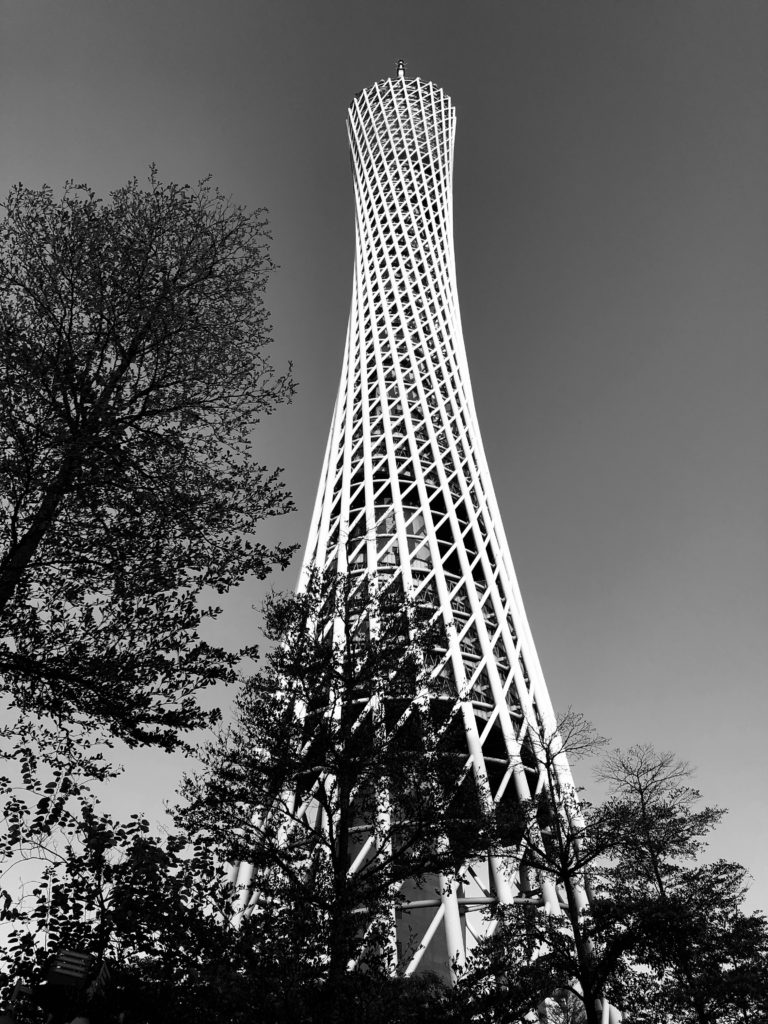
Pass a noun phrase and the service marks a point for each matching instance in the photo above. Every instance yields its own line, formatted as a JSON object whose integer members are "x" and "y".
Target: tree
{"x": 153, "y": 911}
{"x": 664, "y": 937}
{"x": 556, "y": 946}
{"x": 334, "y": 783}
{"x": 334, "y": 759}
{"x": 693, "y": 949}
{"x": 157, "y": 913}
{"x": 132, "y": 371}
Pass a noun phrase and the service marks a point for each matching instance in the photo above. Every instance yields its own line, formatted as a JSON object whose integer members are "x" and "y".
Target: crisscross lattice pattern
{"x": 405, "y": 488}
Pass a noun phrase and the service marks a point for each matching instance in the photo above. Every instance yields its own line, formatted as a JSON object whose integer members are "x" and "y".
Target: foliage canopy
{"x": 133, "y": 368}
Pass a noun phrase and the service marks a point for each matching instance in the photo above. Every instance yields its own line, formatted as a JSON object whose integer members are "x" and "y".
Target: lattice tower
{"x": 405, "y": 489}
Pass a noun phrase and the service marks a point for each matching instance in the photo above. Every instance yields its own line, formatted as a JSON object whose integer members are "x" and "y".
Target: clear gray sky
{"x": 612, "y": 245}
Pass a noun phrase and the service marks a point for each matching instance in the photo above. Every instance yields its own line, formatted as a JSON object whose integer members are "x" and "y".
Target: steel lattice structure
{"x": 405, "y": 487}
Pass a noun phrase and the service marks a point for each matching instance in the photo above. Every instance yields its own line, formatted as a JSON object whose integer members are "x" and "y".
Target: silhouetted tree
{"x": 334, "y": 784}
{"x": 663, "y": 936}
{"x": 695, "y": 955}
{"x": 560, "y": 946}
{"x": 132, "y": 371}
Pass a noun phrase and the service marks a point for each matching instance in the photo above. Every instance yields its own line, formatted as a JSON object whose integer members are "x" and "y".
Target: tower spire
{"x": 401, "y": 69}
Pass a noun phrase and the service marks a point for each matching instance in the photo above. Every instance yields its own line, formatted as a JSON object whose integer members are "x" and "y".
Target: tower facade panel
{"x": 405, "y": 489}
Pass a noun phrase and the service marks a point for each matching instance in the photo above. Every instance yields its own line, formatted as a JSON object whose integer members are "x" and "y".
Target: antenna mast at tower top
{"x": 401, "y": 69}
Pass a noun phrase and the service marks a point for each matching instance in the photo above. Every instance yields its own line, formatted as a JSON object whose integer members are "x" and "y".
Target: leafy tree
{"x": 334, "y": 759}
{"x": 694, "y": 952}
{"x": 150, "y": 910}
{"x": 664, "y": 938}
{"x": 555, "y": 946}
{"x": 132, "y": 370}
{"x": 333, "y": 785}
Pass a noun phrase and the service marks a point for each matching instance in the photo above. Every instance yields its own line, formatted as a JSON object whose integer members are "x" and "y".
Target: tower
{"x": 405, "y": 489}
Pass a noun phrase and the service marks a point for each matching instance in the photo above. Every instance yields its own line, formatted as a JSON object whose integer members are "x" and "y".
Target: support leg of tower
{"x": 453, "y": 932}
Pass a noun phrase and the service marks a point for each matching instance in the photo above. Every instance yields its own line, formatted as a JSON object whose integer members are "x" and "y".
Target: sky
{"x": 611, "y": 228}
